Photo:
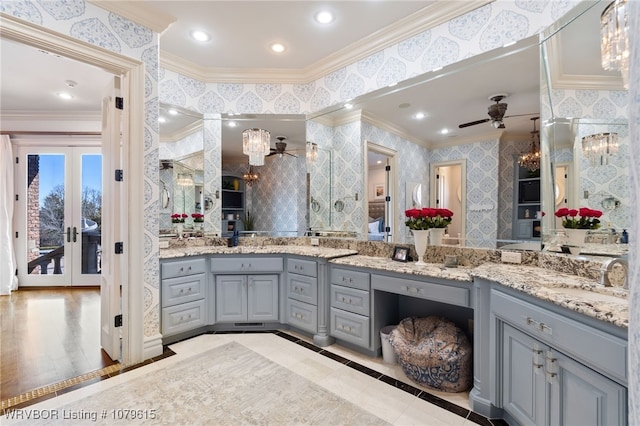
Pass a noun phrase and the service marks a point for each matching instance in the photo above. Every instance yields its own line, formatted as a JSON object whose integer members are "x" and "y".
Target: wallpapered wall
{"x": 321, "y": 176}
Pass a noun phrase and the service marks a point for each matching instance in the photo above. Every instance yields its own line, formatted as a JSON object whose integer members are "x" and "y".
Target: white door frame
{"x": 132, "y": 72}
{"x": 393, "y": 186}
{"x": 463, "y": 190}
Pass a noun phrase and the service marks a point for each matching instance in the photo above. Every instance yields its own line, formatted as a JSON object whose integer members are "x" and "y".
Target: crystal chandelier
{"x": 255, "y": 144}
{"x": 312, "y": 152}
{"x": 250, "y": 177}
{"x": 531, "y": 159}
{"x": 614, "y": 31}
{"x": 597, "y": 148}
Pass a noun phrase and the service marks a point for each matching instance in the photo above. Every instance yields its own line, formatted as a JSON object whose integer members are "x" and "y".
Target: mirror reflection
{"x": 267, "y": 199}
{"x": 586, "y": 130}
{"x": 181, "y": 171}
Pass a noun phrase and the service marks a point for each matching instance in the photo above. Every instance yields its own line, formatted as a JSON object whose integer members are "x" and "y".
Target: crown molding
{"x": 488, "y": 136}
{"x": 350, "y": 117}
{"x": 387, "y": 126}
{"x": 138, "y": 12}
{"x": 51, "y": 116}
{"x": 416, "y": 23}
{"x": 562, "y": 80}
{"x": 183, "y": 133}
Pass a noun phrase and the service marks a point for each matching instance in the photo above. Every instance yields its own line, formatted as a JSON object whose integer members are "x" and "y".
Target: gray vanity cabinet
{"x": 246, "y": 288}
{"x": 241, "y": 298}
{"x": 183, "y": 295}
{"x": 302, "y": 294}
{"x": 350, "y": 306}
{"x": 541, "y": 372}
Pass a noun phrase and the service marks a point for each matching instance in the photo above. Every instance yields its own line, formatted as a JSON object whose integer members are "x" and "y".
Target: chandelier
{"x": 531, "y": 159}
{"x": 184, "y": 179}
{"x": 312, "y": 152}
{"x": 614, "y": 31}
{"x": 250, "y": 177}
{"x": 597, "y": 148}
{"x": 256, "y": 144}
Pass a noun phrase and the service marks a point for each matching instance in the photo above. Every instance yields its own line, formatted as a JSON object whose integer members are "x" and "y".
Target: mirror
{"x": 181, "y": 166}
{"x": 445, "y": 99}
{"x": 584, "y": 107}
{"x": 320, "y": 184}
{"x": 276, "y": 199}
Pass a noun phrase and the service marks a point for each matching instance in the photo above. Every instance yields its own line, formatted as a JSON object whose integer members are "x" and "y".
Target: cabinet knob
{"x": 181, "y": 269}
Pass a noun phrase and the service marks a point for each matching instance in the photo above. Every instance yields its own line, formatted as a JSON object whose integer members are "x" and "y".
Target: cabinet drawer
{"x": 302, "y": 288}
{"x": 349, "y": 278}
{"x": 302, "y": 267}
{"x": 603, "y": 352}
{"x": 246, "y": 264}
{"x": 302, "y": 315}
{"x": 350, "y": 299}
{"x": 424, "y": 290}
{"x": 350, "y": 327}
{"x": 183, "y": 268}
{"x": 183, "y": 289}
{"x": 183, "y": 317}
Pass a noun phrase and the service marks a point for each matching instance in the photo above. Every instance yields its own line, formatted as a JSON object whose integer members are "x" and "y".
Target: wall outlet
{"x": 511, "y": 257}
{"x": 315, "y": 241}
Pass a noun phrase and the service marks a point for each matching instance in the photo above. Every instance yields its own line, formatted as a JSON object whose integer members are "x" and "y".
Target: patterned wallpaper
{"x": 509, "y": 152}
{"x": 482, "y": 188}
{"x": 321, "y": 175}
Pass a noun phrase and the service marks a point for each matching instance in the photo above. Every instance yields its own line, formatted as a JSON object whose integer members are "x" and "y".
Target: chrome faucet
{"x": 608, "y": 266}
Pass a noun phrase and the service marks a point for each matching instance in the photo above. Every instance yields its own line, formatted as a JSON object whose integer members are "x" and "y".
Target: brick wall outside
{"x": 33, "y": 209}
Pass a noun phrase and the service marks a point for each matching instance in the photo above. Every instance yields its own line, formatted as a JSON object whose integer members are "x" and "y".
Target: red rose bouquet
{"x": 426, "y": 218}
{"x": 584, "y": 218}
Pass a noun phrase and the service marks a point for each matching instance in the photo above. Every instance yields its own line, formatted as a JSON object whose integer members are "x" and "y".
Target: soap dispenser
{"x": 624, "y": 239}
{"x": 235, "y": 237}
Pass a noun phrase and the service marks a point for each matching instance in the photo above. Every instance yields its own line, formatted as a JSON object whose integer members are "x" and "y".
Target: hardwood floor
{"x": 48, "y": 335}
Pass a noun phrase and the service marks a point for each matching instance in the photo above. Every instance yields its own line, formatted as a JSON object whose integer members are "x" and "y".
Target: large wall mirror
{"x": 181, "y": 167}
{"x": 585, "y": 128}
{"x": 270, "y": 199}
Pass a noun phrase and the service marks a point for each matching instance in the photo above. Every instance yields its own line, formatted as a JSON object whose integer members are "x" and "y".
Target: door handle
{"x": 68, "y": 234}
{"x": 75, "y": 234}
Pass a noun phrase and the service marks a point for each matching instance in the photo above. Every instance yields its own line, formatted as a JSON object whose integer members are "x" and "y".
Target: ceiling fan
{"x": 496, "y": 113}
{"x": 280, "y": 148}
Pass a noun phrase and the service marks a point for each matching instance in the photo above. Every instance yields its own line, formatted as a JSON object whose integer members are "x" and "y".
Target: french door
{"x": 59, "y": 219}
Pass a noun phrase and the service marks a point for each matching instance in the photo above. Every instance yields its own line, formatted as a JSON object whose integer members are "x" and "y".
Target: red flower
{"x": 588, "y": 218}
{"x": 562, "y": 212}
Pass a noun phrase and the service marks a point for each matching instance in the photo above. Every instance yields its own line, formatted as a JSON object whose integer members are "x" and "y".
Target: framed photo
{"x": 378, "y": 190}
{"x": 400, "y": 254}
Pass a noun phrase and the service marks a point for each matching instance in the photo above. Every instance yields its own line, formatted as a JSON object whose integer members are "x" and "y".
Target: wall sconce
{"x": 256, "y": 144}
{"x": 312, "y": 152}
{"x": 597, "y": 148}
{"x": 184, "y": 179}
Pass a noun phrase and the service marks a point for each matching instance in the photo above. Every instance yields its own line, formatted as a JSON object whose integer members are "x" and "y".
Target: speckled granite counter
{"x": 579, "y": 294}
{"x": 411, "y": 268}
{"x": 320, "y": 252}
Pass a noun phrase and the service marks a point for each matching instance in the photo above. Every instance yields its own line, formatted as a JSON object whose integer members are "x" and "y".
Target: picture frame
{"x": 378, "y": 191}
{"x": 400, "y": 254}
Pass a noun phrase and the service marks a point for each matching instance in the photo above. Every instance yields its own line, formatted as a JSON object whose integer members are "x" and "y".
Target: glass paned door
{"x": 60, "y": 216}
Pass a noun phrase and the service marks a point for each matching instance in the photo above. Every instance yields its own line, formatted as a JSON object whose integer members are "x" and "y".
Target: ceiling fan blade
{"x": 273, "y": 152}
{"x": 521, "y": 115}
{"x": 473, "y": 123}
{"x": 294, "y": 156}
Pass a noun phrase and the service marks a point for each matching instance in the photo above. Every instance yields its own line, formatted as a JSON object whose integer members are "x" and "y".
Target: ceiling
{"x": 242, "y": 32}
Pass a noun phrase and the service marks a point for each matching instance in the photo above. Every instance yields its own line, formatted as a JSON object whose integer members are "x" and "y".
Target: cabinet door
{"x": 231, "y": 298}
{"x": 523, "y": 377}
{"x": 581, "y": 396}
{"x": 263, "y": 298}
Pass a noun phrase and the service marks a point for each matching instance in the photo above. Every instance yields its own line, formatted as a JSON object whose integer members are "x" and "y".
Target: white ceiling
{"x": 242, "y": 32}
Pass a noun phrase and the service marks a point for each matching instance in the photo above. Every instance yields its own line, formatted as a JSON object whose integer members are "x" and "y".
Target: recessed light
{"x": 444, "y": 131}
{"x": 173, "y": 112}
{"x": 162, "y": 120}
{"x": 418, "y": 115}
{"x": 324, "y": 17}
{"x": 379, "y": 162}
{"x": 65, "y": 95}
{"x": 200, "y": 35}
{"x": 232, "y": 124}
{"x": 278, "y": 47}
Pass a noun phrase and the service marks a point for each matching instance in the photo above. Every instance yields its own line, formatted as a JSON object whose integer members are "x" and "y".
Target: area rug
{"x": 228, "y": 385}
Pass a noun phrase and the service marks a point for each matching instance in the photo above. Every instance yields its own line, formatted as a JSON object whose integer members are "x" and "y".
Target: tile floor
{"x": 380, "y": 388}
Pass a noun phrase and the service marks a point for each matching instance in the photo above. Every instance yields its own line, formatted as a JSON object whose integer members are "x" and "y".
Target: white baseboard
{"x": 152, "y": 346}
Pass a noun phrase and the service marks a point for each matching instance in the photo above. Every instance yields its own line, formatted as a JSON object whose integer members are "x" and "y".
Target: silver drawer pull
{"x": 545, "y": 328}
{"x": 181, "y": 269}
{"x": 538, "y": 365}
{"x": 344, "y": 279}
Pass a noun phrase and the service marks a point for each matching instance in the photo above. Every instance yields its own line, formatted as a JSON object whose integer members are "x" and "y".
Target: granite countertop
{"x": 584, "y": 295}
{"x": 313, "y": 251}
{"x": 436, "y": 270}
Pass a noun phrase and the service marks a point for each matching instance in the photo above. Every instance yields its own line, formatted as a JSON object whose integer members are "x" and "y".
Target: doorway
{"x": 380, "y": 195}
{"x": 59, "y": 216}
{"x": 449, "y": 192}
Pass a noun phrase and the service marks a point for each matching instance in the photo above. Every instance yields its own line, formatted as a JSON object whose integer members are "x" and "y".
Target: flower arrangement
{"x": 178, "y": 217}
{"x": 197, "y": 217}
{"x": 426, "y": 218}
{"x": 584, "y": 218}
